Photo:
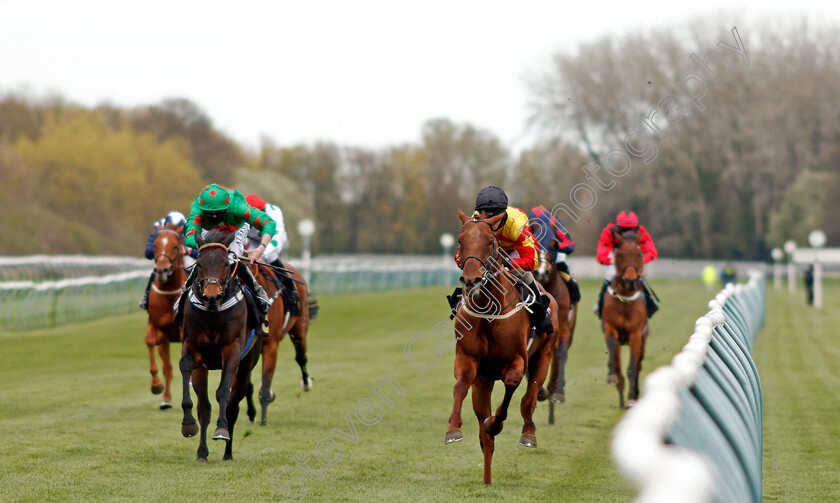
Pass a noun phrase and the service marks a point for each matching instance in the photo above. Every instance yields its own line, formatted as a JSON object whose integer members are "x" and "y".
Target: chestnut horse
{"x": 279, "y": 323}
{"x": 492, "y": 341}
{"x": 549, "y": 277}
{"x": 161, "y": 329}
{"x": 217, "y": 336}
{"x": 625, "y": 316}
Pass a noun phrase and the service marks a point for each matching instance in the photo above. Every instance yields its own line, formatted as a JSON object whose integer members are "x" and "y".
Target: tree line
{"x": 757, "y": 165}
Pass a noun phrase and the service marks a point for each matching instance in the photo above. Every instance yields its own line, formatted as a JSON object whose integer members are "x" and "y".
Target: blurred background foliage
{"x": 758, "y": 166}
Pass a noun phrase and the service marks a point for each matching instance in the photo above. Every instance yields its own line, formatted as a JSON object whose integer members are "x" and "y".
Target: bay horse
{"x": 281, "y": 322}
{"x": 625, "y": 316}
{"x": 549, "y": 277}
{"x": 492, "y": 341}
{"x": 161, "y": 330}
{"x": 217, "y": 336}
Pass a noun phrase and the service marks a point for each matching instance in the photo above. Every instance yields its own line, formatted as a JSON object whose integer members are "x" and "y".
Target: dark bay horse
{"x": 625, "y": 316}
{"x": 217, "y": 336}
{"x": 549, "y": 277}
{"x": 491, "y": 331}
{"x": 161, "y": 329}
{"x": 281, "y": 322}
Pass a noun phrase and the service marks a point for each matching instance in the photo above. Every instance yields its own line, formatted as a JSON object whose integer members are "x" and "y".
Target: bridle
{"x": 492, "y": 257}
{"x": 172, "y": 262}
{"x": 203, "y": 283}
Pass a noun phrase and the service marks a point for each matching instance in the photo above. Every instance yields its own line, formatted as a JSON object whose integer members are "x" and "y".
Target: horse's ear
{"x": 180, "y": 229}
{"x": 199, "y": 240}
{"x": 494, "y": 222}
{"x": 229, "y": 239}
{"x": 555, "y": 245}
{"x": 463, "y": 216}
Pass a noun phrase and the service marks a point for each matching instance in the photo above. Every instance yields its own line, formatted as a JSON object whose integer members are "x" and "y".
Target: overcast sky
{"x": 355, "y": 72}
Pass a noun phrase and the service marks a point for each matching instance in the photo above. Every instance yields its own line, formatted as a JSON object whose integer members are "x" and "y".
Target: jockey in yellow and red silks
{"x": 520, "y": 246}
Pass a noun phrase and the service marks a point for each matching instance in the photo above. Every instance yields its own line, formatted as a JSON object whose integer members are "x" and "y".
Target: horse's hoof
{"x": 630, "y": 403}
{"x": 262, "y": 422}
{"x": 542, "y": 395}
{"x": 157, "y": 390}
{"x": 495, "y": 429}
{"x": 273, "y": 396}
{"x": 558, "y": 398}
{"x": 528, "y": 441}
{"x": 165, "y": 405}
{"x": 221, "y": 434}
{"x": 453, "y": 436}
{"x": 189, "y": 430}
{"x": 200, "y": 460}
{"x": 227, "y": 458}
{"x": 612, "y": 379}
{"x": 306, "y": 386}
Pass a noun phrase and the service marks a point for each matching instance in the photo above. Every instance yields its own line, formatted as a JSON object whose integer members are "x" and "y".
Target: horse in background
{"x": 625, "y": 316}
{"x": 491, "y": 331}
{"x": 218, "y": 334}
{"x": 161, "y": 330}
{"x": 281, "y": 322}
{"x": 548, "y": 275}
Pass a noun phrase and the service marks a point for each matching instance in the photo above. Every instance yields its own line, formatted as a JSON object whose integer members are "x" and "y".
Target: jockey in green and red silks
{"x": 226, "y": 209}
{"x": 218, "y": 207}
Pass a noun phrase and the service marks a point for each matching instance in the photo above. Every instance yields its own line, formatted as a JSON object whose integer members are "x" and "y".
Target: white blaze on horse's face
{"x": 542, "y": 270}
{"x": 163, "y": 262}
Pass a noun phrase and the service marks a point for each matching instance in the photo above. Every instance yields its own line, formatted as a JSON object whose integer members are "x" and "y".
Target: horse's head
{"x": 168, "y": 254}
{"x": 214, "y": 269}
{"x": 479, "y": 251}
{"x": 629, "y": 260}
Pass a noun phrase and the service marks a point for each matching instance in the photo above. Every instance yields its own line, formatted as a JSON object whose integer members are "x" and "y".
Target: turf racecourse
{"x": 81, "y": 424}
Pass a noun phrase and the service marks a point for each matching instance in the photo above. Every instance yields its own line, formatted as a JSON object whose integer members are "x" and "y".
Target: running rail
{"x": 695, "y": 434}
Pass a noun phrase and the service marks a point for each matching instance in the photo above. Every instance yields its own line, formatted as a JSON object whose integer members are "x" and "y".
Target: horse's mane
{"x": 628, "y": 235}
{"x": 215, "y": 236}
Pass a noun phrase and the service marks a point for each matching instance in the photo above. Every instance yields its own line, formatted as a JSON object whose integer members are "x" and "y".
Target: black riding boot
{"x": 453, "y": 301}
{"x": 290, "y": 292}
{"x": 650, "y": 303}
{"x": 600, "y": 306}
{"x": 540, "y": 312}
{"x": 571, "y": 284}
{"x": 144, "y": 304}
{"x": 263, "y": 302}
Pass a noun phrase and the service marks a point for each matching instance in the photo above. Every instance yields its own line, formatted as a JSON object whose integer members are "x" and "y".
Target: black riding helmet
{"x": 491, "y": 200}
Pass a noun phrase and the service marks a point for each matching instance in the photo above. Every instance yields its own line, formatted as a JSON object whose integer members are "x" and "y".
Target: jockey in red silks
{"x": 625, "y": 221}
{"x": 522, "y": 252}
{"x": 557, "y": 243}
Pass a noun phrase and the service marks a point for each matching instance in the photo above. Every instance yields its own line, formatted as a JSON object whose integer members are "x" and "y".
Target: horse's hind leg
{"x": 238, "y": 393}
{"x": 163, "y": 350}
{"x": 614, "y": 363}
{"x": 298, "y": 336}
{"x": 269, "y": 354}
{"x": 252, "y": 411}
{"x": 199, "y": 380}
{"x": 560, "y": 357}
{"x": 537, "y": 370}
{"x": 151, "y": 341}
{"x": 637, "y": 353}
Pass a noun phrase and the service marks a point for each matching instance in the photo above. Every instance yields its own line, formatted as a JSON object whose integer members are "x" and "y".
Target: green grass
{"x": 81, "y": 424}
{"x": 798, "y": 359}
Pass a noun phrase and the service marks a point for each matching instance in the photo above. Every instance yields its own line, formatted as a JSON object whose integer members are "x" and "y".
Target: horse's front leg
{"x": 199, "y": 381}
{"x": 152, "y": 335}
{"x": 614, "y": 363}
{"x": 230, "y": 366}
{"x": 188, "y": 426}
{"x": 269, "y": 363}
{"x": 482, "y": 391}
{"x": 163, "y": 350}
{"x": 512, "y": 377}
{"x": 637, "y": 353}
{"x": 465, "y": 371}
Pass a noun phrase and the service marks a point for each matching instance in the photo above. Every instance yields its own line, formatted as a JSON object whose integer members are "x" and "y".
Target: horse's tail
{"x": 313, "y": 308}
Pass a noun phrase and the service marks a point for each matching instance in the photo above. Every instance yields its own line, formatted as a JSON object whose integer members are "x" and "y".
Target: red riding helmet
{"x": 625, "y": 219}
{"x": 255, "y": 201}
